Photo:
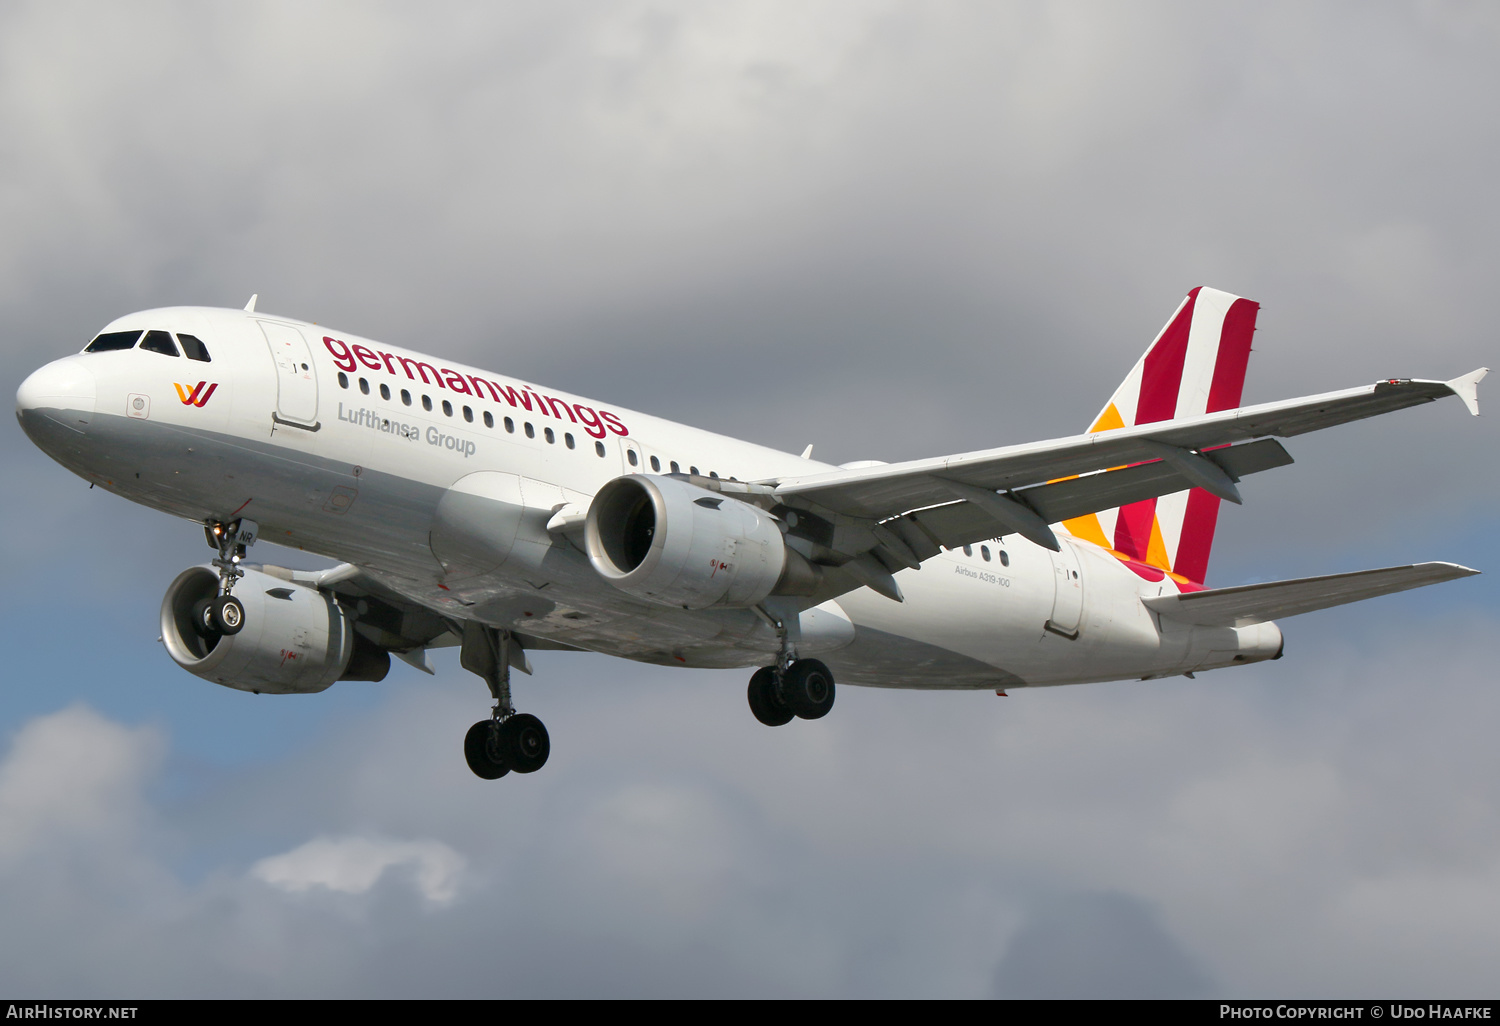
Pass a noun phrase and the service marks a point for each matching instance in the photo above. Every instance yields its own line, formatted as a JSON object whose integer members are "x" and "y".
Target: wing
{"x": 874, "y": 520}
{"x": 886, "y": 491}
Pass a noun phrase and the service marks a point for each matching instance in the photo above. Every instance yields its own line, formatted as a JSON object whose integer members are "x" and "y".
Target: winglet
{"x": 1466, "y": 387}
{"x": 250, "y": 306}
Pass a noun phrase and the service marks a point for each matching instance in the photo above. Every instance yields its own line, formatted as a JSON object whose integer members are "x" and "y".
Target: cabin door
{"x": 296, "y": 378}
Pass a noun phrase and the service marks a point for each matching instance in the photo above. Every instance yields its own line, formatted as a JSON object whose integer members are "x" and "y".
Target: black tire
{"x": 203, "y": 620}
{"x": 808, "y": 689}
{"x": 764, "y": 702}
{"x": 524, "y": 742}
{"x": 482, "y": 750}
{"x": 228, "y": 614}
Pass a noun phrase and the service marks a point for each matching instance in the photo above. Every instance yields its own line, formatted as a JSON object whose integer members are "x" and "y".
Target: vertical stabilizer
{"x": 1195, "y": 366}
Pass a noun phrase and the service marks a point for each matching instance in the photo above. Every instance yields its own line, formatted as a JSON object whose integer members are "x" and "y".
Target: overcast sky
{"x": 892, "y": 230}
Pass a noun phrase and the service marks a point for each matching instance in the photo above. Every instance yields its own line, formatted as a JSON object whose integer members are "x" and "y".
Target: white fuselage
{"x": 371, "y": 454}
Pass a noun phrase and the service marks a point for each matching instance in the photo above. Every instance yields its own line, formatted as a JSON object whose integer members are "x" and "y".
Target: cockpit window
{"x": 194, "y": 348}
{"x": 112, "y": 340}
{"x": 159, "y": 342}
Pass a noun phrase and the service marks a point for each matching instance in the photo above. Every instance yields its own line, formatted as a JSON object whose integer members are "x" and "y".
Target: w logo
{"x": 198, "y": 396}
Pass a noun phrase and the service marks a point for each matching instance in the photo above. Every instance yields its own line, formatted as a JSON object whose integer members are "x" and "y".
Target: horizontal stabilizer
{"x": 1257, "y": 603}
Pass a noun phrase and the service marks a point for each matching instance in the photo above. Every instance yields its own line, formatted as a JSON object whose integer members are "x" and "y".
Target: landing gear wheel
{"x": 482, "y": 750}
{"x": 203, "y": 620}
{"x": 807, "y": 687}
{"x": 226, "y": 614}
{"x": 764, "y": 702}
{"x": 524, "y": 741}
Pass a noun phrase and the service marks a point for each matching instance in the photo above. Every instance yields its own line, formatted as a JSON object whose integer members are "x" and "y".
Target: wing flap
{"x": 964, "y": 523}
{"x": 1064, "y": 500}
{"x": 1257, "y": 603}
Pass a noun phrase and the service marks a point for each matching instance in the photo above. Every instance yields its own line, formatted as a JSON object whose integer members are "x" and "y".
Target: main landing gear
{"x": 804, "y": 690}
{"x": 223, "y": 614}
{"x": 508, "y": 740}
{"x": 800, "y": 688}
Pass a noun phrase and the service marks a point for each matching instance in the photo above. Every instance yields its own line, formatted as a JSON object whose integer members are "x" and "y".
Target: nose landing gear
{"x": 508, "y": 740}
{"x": 223, "y": 614}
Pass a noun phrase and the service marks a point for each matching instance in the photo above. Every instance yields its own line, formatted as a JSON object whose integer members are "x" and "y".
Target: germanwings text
{"x": 351, "y": 357}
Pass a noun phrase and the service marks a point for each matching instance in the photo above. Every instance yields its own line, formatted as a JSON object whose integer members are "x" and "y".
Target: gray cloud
{"x": 1306, "y": 830}
{"x": 1097, "y": 946}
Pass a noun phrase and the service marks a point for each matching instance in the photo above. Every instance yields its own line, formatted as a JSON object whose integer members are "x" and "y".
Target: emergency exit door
{"x": 1067, "y": 597}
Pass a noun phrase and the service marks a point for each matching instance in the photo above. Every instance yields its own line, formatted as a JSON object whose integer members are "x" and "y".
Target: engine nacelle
{"x": 666, "y": 541}
{"x": 295, "y": 640}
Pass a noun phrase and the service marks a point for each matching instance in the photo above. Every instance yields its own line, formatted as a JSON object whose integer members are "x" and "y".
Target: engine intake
{"x": 673, "y": 543}
{"x": 296, "y": 639}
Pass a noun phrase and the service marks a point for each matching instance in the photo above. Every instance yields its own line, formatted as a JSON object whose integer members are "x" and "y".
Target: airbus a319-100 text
{"x": 474, "y": 510}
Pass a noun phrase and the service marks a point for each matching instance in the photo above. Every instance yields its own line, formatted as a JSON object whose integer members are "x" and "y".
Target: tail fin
{"x": 1195, "y": 366}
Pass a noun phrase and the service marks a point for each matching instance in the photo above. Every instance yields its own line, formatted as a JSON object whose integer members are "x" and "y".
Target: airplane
{"x": 474, "y": 510}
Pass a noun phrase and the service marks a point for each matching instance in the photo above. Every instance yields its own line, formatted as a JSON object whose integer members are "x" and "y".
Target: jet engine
{"x": 295, "y": 639}
{"x": 673, "y": 543}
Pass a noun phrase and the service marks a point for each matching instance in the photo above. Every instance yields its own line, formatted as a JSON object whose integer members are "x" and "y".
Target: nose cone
{"x": 60, "y": 395}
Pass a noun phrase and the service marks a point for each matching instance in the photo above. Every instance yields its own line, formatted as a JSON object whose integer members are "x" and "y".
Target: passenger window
{"x": 984, "y": 550}
{"x": 343, "y": 380}
{"x": 405, "y": 397}
{"x": 489, "y": 419}
{"x": 713, "y": 474}
{"x": 113, "y": 340}
{"x": 968, "y": 550}
{"x": 530, "y": 431}
{"x": 160, "y": 342}
{"x": 675, "y": 468}
{"x": 632, "y": 457}
{"x": 655, "y": 463}
{"x": 693, "y": 471}
{"x": 551, "y": 438}
{"x": 569, "y": 439}
{"x": 447, "y": 408}
{"x": 599, "y": 448}
{"x": 1004, "y": 558}
{"x": 468, "y": 415}
{"x": 364, "y": 386}
{"x": 427, "y": 403}
{"x": 385, "y": 391}
{"x": 510, "y": 426}
{"x": 193, "y": 346}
